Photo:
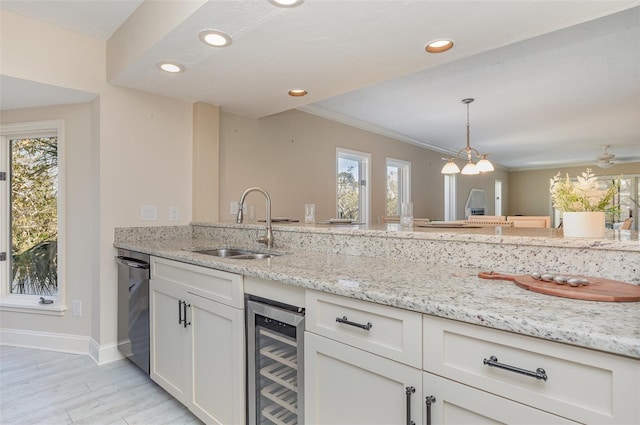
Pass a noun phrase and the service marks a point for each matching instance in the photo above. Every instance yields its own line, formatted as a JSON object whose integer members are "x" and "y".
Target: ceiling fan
{"x": 605, "y": 159}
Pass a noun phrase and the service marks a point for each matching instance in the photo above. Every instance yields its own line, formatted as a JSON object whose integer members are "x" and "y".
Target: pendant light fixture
{"x": 471, "y": 168}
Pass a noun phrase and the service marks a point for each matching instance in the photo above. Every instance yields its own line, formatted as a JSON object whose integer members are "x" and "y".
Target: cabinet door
{"x": 345, "y": 385}
{"x": 168, "y": 339}
{"x": 456, "y": 403}
{"x": 216, "y": 361}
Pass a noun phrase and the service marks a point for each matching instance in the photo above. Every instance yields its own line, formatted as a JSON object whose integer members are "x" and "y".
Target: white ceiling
{"x": 553, "y": 80}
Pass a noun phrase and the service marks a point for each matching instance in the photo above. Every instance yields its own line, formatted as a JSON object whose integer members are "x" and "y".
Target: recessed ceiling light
{"x": 215, "y": 38}
{"x": 171, "y": 67}
{"x": 439, "y": 46}
{"x": 297, "y": 92}
{"x": 286, "y": 3}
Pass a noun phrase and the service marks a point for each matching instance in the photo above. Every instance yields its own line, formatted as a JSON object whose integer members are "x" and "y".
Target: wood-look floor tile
{"x": 39, "y": 387}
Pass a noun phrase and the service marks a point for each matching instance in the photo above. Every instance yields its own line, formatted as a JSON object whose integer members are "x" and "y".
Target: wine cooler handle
{"x": 346, "y": 321}
{"x": 429, "y": 400}
{"x": 184, "y": 312}
{"x": 538, "y": 374}
{"x": 179, "y": 312}
{"x": 408, "y": 392}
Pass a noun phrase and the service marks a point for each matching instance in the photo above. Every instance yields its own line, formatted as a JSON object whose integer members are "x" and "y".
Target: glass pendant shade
{"x": 484, "y": 165}
{"x": 470, "y": 169}
{"x": 450, "y": 168}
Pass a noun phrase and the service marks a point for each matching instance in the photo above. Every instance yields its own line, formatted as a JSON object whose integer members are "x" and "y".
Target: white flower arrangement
{"x": 583, "y": 195}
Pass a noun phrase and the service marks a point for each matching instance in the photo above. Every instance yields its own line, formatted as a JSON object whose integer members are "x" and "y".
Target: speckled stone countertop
{"x": 437, "y": 289}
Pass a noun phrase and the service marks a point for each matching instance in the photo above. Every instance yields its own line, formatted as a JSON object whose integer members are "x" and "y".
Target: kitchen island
{"x": 431, "y": 271}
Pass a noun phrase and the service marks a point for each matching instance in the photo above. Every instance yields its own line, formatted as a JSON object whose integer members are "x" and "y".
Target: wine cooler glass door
{"x": 275, "y": 355}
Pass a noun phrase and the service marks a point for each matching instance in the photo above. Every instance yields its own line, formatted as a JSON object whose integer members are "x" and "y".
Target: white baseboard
{"x": 102, "y": 354}
{"x": 65, "y": 343}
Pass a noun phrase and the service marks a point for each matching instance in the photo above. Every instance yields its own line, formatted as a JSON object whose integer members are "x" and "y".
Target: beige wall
{"x": 140, "y": 154}
{"x": 293, "y": 156}
{"x": 529, "y": 190}
{"x": 206, "y": 162}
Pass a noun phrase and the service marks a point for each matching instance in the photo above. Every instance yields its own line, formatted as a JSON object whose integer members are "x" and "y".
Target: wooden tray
{"x": 599, "y": 289}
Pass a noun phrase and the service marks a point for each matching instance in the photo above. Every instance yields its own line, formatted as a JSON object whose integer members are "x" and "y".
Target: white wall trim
{"x": 45, "y": 340}
{"x": 103, "y": 354}
{"x": 65, "y": 343}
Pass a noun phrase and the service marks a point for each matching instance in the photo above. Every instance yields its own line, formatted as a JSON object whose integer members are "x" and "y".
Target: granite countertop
{"x": 444, "y": 291}
{"x": 618, "y": 240}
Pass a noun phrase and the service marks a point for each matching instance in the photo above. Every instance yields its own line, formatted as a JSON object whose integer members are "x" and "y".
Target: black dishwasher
{"x": 133, "y": 307}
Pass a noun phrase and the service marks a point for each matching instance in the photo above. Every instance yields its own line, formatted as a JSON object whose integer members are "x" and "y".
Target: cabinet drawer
{"x": 216, "y": 285}
{"x": 582, "y": 385}
{"x": 393, "y": 333}
{"x": 455, "y": 403}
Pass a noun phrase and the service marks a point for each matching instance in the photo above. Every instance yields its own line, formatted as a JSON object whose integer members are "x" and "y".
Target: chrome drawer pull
{"x": 538, "y": 374}
{"x": 346, "y": 321}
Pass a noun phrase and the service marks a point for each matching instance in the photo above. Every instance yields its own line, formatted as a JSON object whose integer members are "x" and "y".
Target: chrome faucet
{"x": 267, "y": 239}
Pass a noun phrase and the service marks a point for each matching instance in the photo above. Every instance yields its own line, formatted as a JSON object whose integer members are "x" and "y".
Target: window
{"x": 625, "y": 201}
{"x": 398, "y": 185}
{"x": 31, "y": 189}
{"x": 352, "y": 185}
{"x": 498, "y": 197}
{"x": 449, "y": 197}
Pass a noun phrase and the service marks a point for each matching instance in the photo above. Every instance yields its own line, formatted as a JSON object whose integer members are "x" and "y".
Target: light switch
{"x": 77, "y": 307}
{"x": 148, "y": 213}
{"x": 174, "y": 213}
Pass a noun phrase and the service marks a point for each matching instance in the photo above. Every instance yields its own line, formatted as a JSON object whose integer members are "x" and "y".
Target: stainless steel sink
{"x": 254, "y": 256}
{"x": 236, "y": 254}
{"x": 223, "y": 252}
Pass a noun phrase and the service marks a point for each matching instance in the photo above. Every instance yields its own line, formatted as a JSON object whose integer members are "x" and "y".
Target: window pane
{"x": 34, "y": 215}
{"x": 393, "y": 190}
{"x": 348, "y": 188}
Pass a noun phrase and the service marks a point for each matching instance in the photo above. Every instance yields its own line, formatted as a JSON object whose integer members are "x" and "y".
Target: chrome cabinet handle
{"x": 429, "y": 400}
{"x": 346, "y": 321}
{"x": 408, "y": 392}
{"x": 538, "y": 374}
{"x": 184, "y": 312}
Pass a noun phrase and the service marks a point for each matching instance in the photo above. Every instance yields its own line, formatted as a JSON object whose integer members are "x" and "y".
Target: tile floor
{"x": 51, "y": 388}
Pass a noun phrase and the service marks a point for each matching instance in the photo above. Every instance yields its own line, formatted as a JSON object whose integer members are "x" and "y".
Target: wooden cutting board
{"x": 599, "y": 289}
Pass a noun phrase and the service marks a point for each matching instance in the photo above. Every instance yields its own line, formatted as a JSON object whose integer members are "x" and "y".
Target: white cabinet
{"x": 169, "y": 339}
{"x": 516, "y": 371}
{"x": 351, "y": 372}
{"x": 346, "y": 385}
{"x": 197, "y": 342}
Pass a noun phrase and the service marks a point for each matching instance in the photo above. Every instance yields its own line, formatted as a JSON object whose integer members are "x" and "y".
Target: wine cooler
{"x": 275, "y": 365}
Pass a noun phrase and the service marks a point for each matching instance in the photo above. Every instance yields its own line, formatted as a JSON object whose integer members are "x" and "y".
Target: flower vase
{"x": 583, "y": 224}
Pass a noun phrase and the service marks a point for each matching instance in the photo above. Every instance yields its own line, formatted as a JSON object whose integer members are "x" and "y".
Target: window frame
{"x": 404, "y": 181}
{"x": 27, "y": 302}
{"x": 364, "y": 173}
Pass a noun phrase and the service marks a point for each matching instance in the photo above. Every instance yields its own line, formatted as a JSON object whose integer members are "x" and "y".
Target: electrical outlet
{"x": 174, "y": 213}
{"x": 77, "y": 307}
{"x": 234, "y": 208}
